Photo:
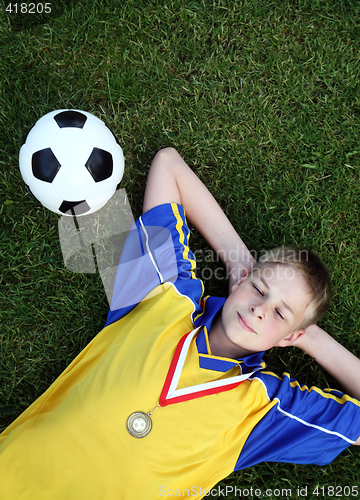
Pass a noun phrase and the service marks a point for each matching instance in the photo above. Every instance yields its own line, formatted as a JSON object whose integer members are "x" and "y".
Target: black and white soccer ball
{"x": 71, "y": 162}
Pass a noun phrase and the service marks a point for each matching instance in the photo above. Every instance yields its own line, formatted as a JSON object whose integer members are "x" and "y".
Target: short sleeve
{"x": 304, "y": 426}
{"x": 156, "y": 251}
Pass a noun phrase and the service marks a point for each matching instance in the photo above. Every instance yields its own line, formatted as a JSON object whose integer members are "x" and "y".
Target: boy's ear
{"x": 235, "y": 285}
{"x": 290, "y": 339}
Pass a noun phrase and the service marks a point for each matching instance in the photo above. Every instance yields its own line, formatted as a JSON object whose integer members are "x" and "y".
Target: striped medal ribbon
{"x": 139, "y": 424}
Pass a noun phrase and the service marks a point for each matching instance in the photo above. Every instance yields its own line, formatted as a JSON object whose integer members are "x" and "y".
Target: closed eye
{"x": 258, "y": 290}
{"x": 280, "y": 313}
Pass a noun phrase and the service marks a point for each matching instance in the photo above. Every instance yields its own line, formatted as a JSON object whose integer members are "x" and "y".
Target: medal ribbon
{"x": 170, "y": 395}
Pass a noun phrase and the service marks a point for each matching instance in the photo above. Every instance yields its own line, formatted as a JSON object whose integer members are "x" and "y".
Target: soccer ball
{"x": 71, "y": 162}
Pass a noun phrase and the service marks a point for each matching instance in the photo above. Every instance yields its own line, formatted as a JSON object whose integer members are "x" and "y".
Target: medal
{"x": 139, "y": 424}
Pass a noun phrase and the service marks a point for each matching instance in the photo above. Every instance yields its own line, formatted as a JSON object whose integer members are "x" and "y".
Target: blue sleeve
{"x": 304, "y": 426}
{"x": 156, "y": 251}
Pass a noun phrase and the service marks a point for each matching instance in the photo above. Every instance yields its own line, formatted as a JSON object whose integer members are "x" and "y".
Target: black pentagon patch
{"x": 70, "y": 119}
{"x": 45, "y": 165}
{"x": 100, "y": 164}
{"x": 75, "y": 207}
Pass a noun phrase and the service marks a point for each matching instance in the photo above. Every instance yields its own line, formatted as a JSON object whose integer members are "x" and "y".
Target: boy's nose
{"x": 258, "y": 310}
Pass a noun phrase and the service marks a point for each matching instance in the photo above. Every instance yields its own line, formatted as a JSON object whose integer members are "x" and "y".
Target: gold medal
{"x": 139, "y": 424}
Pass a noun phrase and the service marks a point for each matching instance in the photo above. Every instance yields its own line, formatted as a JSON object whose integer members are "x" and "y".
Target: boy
{"x": 148, "y": 409}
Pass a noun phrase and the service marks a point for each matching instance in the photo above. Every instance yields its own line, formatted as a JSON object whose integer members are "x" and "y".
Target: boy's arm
{"x": 334, "y": 358}
{"x": 170, "y": 180}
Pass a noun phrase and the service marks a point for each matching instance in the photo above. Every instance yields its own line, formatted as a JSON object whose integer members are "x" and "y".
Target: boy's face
{"x": 265, "y": 308}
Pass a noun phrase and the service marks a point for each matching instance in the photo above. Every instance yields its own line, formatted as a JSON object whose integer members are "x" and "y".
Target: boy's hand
{"x": 331, "y": 355}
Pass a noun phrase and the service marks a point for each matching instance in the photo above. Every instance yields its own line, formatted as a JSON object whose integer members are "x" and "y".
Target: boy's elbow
{"x": 165, "y": 154}
{"x": 168, "y": 150}
{"x": 165, "y": 159}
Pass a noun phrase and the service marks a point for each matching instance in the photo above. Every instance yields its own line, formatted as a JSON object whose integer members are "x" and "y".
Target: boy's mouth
{"x": 244, "y": 324}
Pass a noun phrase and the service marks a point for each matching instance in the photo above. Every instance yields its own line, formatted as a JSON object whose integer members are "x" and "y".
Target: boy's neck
{"x": 220, "y": 345}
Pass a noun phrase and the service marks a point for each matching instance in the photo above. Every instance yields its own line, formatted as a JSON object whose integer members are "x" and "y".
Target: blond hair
{"x": 316, "y": 275}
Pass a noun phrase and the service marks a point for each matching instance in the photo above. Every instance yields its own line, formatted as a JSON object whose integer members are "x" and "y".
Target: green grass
{"x": 261, "y": 99}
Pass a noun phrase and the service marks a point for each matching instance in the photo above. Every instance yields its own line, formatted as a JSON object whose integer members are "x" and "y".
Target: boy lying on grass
{"x": 173, "y": 395}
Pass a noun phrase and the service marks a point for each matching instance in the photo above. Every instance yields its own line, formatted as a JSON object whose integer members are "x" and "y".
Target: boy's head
{"x": 286, "y": 291}
{"x": 310, "y": 266}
